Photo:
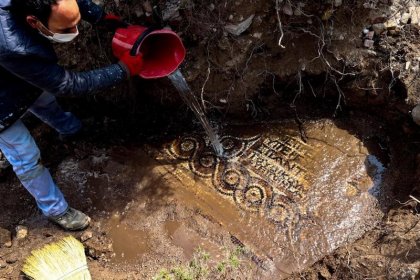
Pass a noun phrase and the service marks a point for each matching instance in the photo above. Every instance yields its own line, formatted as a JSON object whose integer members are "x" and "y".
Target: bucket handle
{"x": 143, "y": 35}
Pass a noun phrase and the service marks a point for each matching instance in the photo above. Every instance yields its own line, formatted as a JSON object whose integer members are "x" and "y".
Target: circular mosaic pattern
{"x": 185, "y": 148}
{"x": 254, "y": 196}
{"x": 230, "y": 178}
{"x": 282, "y": 210}
{"x": 204, "y": 164}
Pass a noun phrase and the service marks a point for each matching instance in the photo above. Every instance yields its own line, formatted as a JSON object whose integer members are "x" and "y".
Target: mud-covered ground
{"x": 323, "y": 71}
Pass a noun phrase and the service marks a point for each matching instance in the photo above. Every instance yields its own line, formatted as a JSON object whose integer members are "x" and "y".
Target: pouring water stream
{"x": 187, "y": 95}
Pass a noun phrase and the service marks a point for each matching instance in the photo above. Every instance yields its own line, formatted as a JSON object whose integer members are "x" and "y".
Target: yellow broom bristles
{"x": 63, "y": 260}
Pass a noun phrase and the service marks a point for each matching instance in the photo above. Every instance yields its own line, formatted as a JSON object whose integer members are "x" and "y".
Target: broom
{"x": 63, "y": 260}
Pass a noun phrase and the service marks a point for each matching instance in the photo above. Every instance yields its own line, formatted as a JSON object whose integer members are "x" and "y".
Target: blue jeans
{"x": 21, "y": 151}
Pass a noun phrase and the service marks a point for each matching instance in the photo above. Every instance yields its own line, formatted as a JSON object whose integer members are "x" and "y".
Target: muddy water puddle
{"x": 128, "y": 244}
{"x": 288, "y": 196}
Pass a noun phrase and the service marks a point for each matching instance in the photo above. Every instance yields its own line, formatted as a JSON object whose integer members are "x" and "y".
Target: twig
{"x": 415, "y": 199}
{"x": 202, "y": 88}
{"x": 280, "y": 24}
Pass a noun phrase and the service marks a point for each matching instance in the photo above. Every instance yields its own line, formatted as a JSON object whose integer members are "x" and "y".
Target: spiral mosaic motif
{"x": 260, "y": 176}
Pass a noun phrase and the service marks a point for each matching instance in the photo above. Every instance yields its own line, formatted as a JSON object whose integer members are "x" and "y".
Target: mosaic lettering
{"x": 261, "y": 175}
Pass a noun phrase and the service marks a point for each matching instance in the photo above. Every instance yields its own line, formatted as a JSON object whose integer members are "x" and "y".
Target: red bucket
{"x": 162, "y": 49}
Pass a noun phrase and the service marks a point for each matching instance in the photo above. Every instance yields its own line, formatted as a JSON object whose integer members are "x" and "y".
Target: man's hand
{"x": 111, "y": 22}
{"x": 132, "y": 64}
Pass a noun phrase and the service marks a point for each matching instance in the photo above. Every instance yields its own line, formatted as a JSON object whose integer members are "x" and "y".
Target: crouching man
{"x": 30, "y": 78}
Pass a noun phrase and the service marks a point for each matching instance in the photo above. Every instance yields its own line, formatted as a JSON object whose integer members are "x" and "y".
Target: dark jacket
{"x": 28, "y": 66}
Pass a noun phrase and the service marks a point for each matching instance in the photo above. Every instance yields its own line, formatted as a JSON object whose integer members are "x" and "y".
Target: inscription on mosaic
{"x": 261, "y": 174}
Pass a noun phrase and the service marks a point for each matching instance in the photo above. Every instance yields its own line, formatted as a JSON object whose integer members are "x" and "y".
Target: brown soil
{"x": 144, "y": 223}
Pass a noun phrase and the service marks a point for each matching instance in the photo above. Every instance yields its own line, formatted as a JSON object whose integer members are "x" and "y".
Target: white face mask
{"x": 61, "y": 38}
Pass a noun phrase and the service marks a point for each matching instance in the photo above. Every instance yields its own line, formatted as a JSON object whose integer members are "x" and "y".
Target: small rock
{"x": 138, "y": 12}
{"x": 370, "y": 35}
{"x": 12, "y": 258}
{"x": 86, "y": 236}
{"x": 171, "y": 10}
{"x": 238, "y": 29}
{"x": 415, "y": 15}
{"x": 391, "y": 24}
{"x": 338, "y": 3}
{"x": 405, "y": 18}
{"x": 287, "y": 9}
{"x": 147, "y": 7}
{"x": 5, "y": 237}
{"x": 369, "y": 43}
{"x": 378, "y": 28}
{"x": 415, "y": 113}
{"x": 21, "y": 232}
{"x": 298, "y": 10}
{"x": 2, "y": 264}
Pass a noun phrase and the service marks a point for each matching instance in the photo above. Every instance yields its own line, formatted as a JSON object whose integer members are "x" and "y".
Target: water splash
{"x": 187, "y": 95}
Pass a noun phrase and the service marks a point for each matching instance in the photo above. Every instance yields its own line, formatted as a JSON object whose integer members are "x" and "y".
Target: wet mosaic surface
{"x": 288, "y": 195}
{"x": 290, "y": 200}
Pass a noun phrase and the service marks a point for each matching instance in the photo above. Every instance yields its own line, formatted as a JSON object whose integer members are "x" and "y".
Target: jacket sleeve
{"x": 51, "y": 77}
{"x": 90, "y": 11}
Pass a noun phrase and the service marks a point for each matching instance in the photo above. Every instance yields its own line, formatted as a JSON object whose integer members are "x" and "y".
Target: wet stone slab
{"x": 288, "y": 198}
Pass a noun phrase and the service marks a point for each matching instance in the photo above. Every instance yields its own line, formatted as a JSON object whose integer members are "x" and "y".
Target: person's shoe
{"x": 72, "y": 220}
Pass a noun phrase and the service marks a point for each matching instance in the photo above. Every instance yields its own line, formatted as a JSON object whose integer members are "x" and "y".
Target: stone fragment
{"x": 12, "y": 258}
{"x": 147, "y": 7}
{"x": 97, "y": 248}
{"x": 415, "y": 15}
{"x": 21, "y": 232}
{"x": 415, "y": 113}
{"x": 391, "y": 23}
{"x": 238, "y": 29}
{"x": 370, "y": 35}
{"x": 2, "y": 264}
{"x": 378, "y": 28}
{"x": 138, "y": 12}
{"x": 287, "y": 9}
{"x": 5, "y": 237}
{"x": 171, "y": 10}
{"x": 368, "y": 43}
{"x": 338, "y": 3}
{"x": 86, "y": 236}
{"x": 405, "y": 18}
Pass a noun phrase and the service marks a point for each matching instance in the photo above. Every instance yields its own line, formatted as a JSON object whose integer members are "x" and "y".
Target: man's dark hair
{"x": 41, "y": 9}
